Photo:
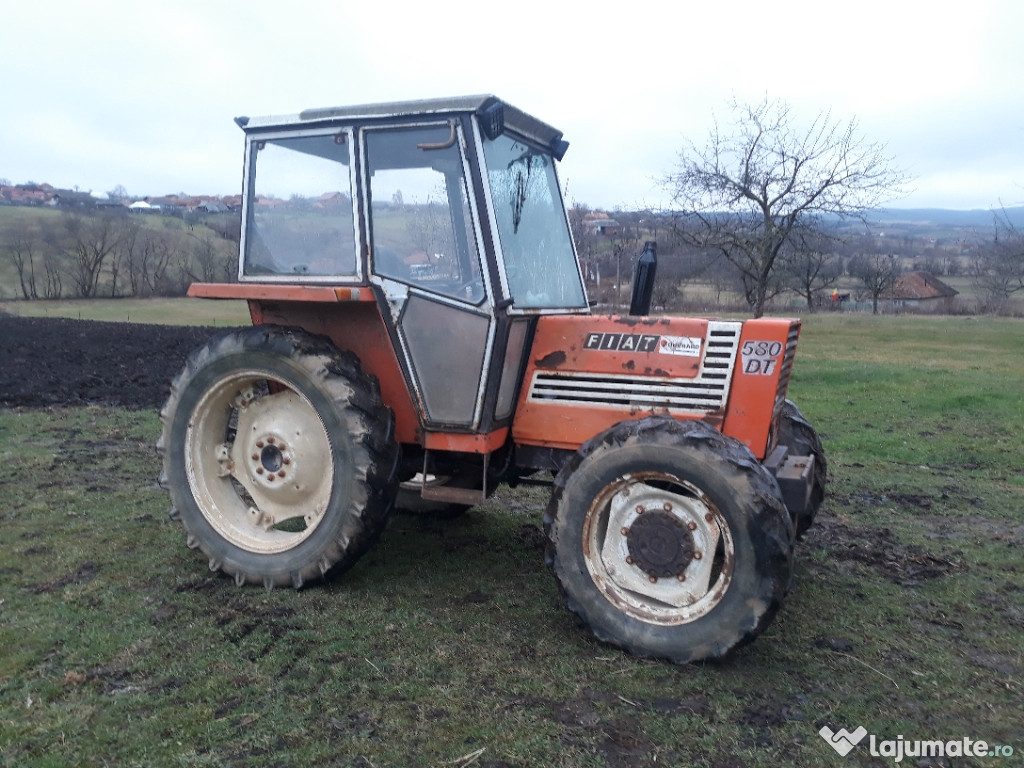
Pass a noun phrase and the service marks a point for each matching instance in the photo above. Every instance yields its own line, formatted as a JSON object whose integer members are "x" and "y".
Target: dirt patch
{"x": 881, "y": 550}
{"x": 83, "y": 575}
{"x": 55, "y": 361}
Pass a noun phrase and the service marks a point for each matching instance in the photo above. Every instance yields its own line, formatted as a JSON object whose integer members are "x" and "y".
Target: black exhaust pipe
{"x": 643, "y": 280}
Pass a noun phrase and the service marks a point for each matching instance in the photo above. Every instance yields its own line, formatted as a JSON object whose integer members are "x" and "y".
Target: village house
{"x": 602, "y": 224}
{"x": 919, "y": 292}
{"x": 28, "y": 194}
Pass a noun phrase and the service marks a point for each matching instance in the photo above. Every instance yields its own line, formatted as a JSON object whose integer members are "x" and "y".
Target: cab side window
{"x": 300, "y": 212}
{"x": 421, "y": 228}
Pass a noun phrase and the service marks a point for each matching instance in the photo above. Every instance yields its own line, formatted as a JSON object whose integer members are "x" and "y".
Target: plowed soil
{"x": 54, "y": 361}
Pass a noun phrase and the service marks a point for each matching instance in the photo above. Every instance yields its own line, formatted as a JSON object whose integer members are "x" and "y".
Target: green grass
{"x": 448, "y": 643}
{"x": 175, "y": 311}
{"x": 911, "y": 402}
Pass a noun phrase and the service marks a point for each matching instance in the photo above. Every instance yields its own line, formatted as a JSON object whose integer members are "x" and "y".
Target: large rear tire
{"x": 279, "y": 456}
{"x": 669, "y": 539}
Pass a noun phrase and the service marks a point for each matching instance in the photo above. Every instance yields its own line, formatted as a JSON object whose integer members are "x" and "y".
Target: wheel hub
{"x": 660, "y": 544}
{"x": 271, "y": 458}
{"x": 282, "y": 457}
{"x": 658, "y": 547}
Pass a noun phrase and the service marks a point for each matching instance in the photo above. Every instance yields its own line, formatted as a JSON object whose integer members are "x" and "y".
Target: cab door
{"x": 424, "y": 253}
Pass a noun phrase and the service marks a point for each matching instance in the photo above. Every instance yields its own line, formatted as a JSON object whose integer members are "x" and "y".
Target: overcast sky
{"x": 142, "y": 94}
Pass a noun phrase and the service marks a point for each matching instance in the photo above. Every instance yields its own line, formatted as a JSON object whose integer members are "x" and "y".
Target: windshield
{"x": 540, "y": 263}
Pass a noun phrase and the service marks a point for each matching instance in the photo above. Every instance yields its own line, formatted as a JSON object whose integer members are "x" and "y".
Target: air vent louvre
{"x": 787, "y": 365}
{"x": 708, "y": 391}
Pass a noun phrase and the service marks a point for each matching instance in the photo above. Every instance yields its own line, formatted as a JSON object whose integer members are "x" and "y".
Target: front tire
{"x": 279, "y": 456}
{"x": 669, "y": 539}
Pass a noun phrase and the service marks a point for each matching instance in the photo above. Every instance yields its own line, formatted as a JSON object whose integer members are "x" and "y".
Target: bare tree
{"x": 812, "y": 269}
{"x": 625, "y": 247}
{"x": 90, "y": 241}
{"x": 763, "y": 179}
{"x": 877, "y": 271}
{"x": 205, "y": 259}
{"x": 22, "y": 246}
{"x": 143, "y": 254}
{"x": 148, "y": 256}
{"x": 126, "y": 254}
{"x": 998, "y": 269}
{"x": 203, "y": 267}
{"x": 54, "y": 288}
{"x": 585, "y": 237}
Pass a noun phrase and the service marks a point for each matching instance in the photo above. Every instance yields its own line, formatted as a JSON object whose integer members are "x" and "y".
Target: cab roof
{"x": 483, "y": 106}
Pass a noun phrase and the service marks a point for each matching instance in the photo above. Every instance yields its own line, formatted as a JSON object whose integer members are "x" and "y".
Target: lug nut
{"x": 698, "y": 555}
{"x": 280, "y": 473}
{"x": 255, "y": 457}
{"x": 691, "y": 525}
{"x": 653, "y": 579}
{"x": 624, "y": 531}
{"x": 259, "y": 443}
{"x": 259, "y": 470}
{"x": 640, "y": 510}
{"x": 282, "y": 446}
{"x": 667, "y": 507}
{"x": 286, "y": 460}
{"x": 270, "y": 439}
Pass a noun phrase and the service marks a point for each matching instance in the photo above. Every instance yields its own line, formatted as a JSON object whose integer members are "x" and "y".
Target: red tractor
{"x": 421, "y": 333}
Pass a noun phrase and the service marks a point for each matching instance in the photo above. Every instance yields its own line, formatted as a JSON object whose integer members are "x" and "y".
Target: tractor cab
{"x": 447, "y": 214}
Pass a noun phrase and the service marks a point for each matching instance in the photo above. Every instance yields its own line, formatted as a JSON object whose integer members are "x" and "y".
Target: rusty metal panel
{"x": 256, "y": 292}
{"x": 587, "y": 373}
{"x": 766, "y": 352}
{"x": 669, "y": 347}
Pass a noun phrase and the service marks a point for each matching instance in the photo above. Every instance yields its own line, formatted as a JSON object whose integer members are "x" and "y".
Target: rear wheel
{"x": 278, "y": 454}
{"x": 797, "y": 433}
{"x": 669, "y": 539}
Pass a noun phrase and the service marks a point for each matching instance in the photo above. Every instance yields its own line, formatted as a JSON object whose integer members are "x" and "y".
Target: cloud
{"x": 142, "y": 94}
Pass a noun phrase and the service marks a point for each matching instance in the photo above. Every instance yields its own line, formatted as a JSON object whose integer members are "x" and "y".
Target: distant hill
{"x": 943, "y": 217}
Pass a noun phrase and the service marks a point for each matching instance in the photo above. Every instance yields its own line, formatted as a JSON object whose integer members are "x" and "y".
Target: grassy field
{"x": 448, "y": 645}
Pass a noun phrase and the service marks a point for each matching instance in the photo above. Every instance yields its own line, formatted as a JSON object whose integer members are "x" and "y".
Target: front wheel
{"x": 278, "y": 454}
{"x": 669, "y": 539}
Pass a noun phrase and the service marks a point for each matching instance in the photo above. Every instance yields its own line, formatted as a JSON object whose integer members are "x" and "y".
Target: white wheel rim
{"x": 685, "y": 568}
{"x": 259, "y": 464}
